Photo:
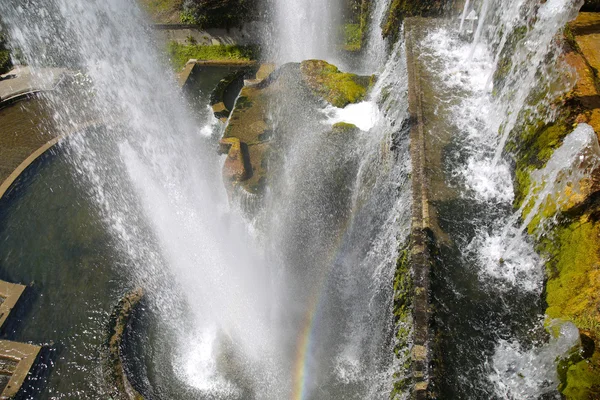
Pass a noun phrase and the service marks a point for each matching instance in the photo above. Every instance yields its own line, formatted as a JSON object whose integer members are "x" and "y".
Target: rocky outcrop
{"x": 249, "y": 138}
{"x": 336, "y": 87}
{"x": 114, "y": 369}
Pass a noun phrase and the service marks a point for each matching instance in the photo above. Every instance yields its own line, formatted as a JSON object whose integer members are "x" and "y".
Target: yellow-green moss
{"x": 338, "y": 88}
{"x": 573, "y": 289}
{"x": 573, "y": 293}
{"x": 343, "y": 127}
{"x": 583, "y": 380}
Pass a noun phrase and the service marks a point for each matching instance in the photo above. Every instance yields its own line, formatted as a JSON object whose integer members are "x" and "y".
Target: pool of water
{"x": 53, "y": 238}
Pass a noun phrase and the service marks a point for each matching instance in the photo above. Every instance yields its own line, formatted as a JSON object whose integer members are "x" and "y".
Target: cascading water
{"x": 305, "y": 29}
{"x": 303, "y": 305}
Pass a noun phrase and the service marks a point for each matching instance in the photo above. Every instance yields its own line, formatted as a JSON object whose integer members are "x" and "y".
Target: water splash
{"x": 519, "y": 373}
{"x": 559, "y": 182}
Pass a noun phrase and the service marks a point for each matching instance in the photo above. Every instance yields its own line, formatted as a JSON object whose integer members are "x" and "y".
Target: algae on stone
{"x": 571, "y": 245}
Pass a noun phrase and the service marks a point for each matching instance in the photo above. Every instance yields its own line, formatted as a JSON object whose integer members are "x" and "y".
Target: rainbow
{"x": 300, "y": 369}
{"x": 304, "y": 344}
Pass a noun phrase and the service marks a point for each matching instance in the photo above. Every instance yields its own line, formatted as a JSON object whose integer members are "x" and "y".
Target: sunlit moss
{"x": 336, "y": 87}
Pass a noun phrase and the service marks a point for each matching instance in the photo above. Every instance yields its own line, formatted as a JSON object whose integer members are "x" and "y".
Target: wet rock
{"x": 114, "y": 370}
{"x": 234, "y": 169}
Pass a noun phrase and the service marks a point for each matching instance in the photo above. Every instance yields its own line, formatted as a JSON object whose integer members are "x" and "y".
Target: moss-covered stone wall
{"x": 571, "y": 244}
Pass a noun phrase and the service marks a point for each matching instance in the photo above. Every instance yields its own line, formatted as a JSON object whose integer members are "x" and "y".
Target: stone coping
{"x": 421, "y": 258}
{"x": 14, "y": 176}
{"x": 22, "y": 80}
{"x": 16, "y": 361}
{"x": 115, "y": 373}
{"x": 10, "y": 293}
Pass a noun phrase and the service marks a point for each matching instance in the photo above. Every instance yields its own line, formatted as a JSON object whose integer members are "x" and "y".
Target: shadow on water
{"x": 471, "y": 314}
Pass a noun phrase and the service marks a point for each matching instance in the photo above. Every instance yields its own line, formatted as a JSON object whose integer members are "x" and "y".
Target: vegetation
{"x": 353, "y": 37}
{"x": 182, "y": 53}
{"x": 163, "y": 11}
{"x": 5, "y": 57}
{"x": 338, "y": 88}
{"x": 219, "y": 13}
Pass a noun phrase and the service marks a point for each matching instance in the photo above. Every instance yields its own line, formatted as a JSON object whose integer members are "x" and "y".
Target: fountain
{"x": 304, "y": 230}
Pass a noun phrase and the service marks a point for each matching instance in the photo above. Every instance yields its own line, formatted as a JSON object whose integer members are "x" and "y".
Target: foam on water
{"x": 527, "y": 374}
{"x": 199, "y": 368}
{"x": 364, "y": 114}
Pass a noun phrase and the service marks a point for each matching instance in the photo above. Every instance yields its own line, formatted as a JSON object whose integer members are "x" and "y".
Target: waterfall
{"x": 495, "y": 269}
{"x": 305, "y": 29}
{"x": 376, "y": 44}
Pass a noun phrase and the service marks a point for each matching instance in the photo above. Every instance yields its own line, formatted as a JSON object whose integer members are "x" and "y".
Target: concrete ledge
{"x": 184, "y": 75}
{"x": 10, "y": 293}
{"x": 22, "y": 81}
{"x": 421, "y": 230}
{"x": 16, "y": 360}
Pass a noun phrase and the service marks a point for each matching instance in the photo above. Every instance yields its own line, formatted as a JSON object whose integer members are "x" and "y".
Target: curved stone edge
{"x": 14, "y": 176}
{"x": 114, "y": 371}
{"x": 422, "y": 239}
{"x": 33, "y": 157}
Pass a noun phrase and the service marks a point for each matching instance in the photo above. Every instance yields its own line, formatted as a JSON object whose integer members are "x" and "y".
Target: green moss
{"x": 182, "y": 53}
{"x": 536, "y": 144}
{"x": 338, "y": 88}
{"x": 582, "y": 380}
{"x": 573, "y": 289}
{"x": 343, "y": 127}
{"x": 353, "y": 37}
